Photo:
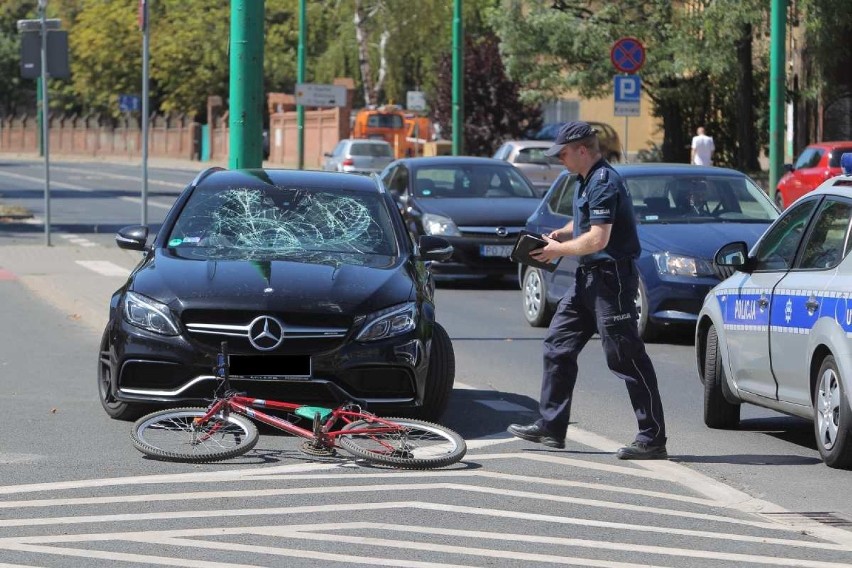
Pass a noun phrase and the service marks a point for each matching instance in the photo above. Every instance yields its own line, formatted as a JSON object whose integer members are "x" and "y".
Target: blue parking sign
{"x": 129, "y": 103}
{"x": 628, "y": 89}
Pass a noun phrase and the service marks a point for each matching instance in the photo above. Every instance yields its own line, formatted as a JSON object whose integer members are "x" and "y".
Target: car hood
{"x": 700, "y": 240}
{"x": 507, "y": 211}
{"x": 328, "y": 286}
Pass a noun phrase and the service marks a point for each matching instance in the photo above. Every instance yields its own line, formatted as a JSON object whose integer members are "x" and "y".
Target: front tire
{"x": 718, "y": 412}
{"x": 440, "y": 376}
{"x": 414, "y": 444}
{"x": 537, "y": 311}
{"x": 832, "y": 417}
{"x": 172, "y": 435}
{"x": 115, "y": 408}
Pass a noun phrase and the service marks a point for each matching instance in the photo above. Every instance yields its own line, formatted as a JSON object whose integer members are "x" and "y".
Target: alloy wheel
{"x": 828, "y": 408}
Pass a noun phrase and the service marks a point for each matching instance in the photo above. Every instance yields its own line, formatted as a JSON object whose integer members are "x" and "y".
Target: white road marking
{"x": 104, "y": 267}
{"x": 53, "y": 185}
{"x": 123, "y": 177}
{"x": 151, "y": 203}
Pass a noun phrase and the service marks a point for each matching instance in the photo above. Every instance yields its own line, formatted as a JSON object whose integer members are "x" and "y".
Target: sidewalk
{"x": 153, "y": 162}
{"x": 77, "y": 281}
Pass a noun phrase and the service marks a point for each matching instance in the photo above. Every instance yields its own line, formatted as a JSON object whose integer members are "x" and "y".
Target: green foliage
{"x": 493, "y": 111}
{"x": 690, "y": 68}
{"x": 16, "y": 94}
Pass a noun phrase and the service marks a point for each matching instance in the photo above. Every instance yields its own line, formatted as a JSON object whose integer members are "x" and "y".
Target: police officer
{"x": 603, "y": 235}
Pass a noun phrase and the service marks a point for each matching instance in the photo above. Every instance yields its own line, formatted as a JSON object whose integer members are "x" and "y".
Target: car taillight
{"x": 348, "y": 162}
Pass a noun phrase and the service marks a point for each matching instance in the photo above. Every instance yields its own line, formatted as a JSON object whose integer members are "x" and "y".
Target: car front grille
{"x": 501, "y": 232}
{"x": 211, "y": 328}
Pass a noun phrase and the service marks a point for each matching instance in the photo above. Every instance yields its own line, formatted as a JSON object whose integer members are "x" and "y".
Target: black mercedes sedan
{"x": 311, "y": 278}
{"x": 478, "y": 204}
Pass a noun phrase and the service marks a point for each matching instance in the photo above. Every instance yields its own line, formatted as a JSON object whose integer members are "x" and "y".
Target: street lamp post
{"x": 458, "y": 74}
{"x": 42, "y": 9}
{"x": 143, "y": 22}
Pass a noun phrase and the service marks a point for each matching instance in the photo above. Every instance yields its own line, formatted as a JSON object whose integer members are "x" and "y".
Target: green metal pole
{"x": 39, "y": 117}
{"x": 246, "y": 86}
{"x": 300, "y": 78}
{"x": 458, "y": 79}
{"x": 777, "y": 56}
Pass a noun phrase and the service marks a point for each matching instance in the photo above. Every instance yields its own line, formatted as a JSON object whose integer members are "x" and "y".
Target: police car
{"x": 778, "y": 332}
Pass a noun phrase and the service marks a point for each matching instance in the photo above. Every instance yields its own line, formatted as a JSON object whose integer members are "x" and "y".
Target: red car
{"x": 815, "y": 164}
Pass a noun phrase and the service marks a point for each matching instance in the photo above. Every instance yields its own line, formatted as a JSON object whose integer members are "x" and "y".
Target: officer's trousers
{"x": 602, "y": 300}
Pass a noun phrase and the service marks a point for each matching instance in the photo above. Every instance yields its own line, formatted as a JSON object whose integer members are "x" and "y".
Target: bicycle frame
{"x": 322, "y": 434}
{"x": 325, "y": 436}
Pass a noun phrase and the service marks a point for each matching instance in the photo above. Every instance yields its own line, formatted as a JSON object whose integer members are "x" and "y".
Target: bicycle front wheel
{"x": 173, "y": 435}
{"x": 402, "y": 442}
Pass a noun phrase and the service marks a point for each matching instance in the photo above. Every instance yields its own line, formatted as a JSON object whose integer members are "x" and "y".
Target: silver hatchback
{"x": 528, "y": 156}
{"x": 359, "y": 155}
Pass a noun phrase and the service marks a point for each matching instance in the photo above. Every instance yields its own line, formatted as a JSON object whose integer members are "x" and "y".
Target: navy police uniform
{"x": 602, "y": 300}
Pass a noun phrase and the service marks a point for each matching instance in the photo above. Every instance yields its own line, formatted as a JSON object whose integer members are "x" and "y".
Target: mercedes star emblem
{"x": 265, "y": 333}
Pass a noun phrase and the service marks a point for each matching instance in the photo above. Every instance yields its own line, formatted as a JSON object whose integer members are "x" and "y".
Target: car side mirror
{"x": 788, "y": 168}
{"x": 434, "y": 248}
{"x": 133, "y": 237}
{"x": 734, "y": 255}
{"x": 327, "y": 154}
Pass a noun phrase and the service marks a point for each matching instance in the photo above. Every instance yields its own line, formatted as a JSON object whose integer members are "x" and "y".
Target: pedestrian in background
{"x": 603, "y": 235}
{"x": 702, "y": 148}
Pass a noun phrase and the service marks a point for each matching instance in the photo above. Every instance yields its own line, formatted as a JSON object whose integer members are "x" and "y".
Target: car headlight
{"x": 148, "y": 314}
{"x": 389, "y": 322}
{"x": 440, "y": 225}
{"x": 678, "y": 265}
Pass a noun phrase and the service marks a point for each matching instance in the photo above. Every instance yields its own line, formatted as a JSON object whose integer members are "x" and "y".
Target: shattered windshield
{"x": 272, "y": 222}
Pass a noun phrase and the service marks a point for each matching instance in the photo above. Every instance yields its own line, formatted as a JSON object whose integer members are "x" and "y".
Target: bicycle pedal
{"x": 313, "y": 449}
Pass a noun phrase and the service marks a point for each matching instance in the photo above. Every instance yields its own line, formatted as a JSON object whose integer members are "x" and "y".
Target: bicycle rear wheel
{"x": 172, "y": 435}
{"x": 414, "y": 444}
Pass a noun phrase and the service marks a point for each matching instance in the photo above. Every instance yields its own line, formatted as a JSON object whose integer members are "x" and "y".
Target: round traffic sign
{"x": 628, "y": 55}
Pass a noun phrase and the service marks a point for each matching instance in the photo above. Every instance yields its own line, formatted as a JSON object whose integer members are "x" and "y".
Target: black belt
{"x": 607, "y": 263}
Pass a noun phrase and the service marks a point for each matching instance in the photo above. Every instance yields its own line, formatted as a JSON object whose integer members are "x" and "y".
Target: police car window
{"x": 824, "y": 245}
{"x": 777, "y": 248}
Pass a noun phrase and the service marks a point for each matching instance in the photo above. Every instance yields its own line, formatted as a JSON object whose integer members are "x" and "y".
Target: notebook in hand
{"x": 528, "y": 242}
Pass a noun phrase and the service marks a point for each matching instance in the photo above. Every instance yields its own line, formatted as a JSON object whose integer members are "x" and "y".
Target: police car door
{"x": 747, "y": 304}
{"x": 804, "y": 313}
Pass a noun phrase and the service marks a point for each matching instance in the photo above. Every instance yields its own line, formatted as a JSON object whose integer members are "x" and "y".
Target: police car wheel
{"x": 718, "y": 412}
{"x": 832, "y": 416}
{"x": 537, "y": 311}
{"x": 647, "y": 329}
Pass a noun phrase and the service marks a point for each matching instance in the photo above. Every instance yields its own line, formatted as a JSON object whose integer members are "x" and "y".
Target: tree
{"x": 16, "y": 94}
{"x": 493, "y": 109}
{"x": 690, "y": 51}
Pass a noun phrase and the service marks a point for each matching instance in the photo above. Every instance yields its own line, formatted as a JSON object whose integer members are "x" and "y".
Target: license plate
{"x": 271, "y": 367}
{"x": 495, "y": 250}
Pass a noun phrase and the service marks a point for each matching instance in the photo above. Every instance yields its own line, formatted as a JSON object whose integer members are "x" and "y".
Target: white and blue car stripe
{"x": 788, "y": 313}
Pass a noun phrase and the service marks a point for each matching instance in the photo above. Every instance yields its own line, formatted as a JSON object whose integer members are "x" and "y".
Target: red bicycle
{"x": 225, "y": 430}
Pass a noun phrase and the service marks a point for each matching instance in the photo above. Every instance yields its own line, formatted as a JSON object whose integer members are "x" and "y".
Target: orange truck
{"x": 405, "y": 132}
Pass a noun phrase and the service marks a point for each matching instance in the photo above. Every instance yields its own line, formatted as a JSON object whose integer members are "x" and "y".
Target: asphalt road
{"x": 73, "y": 491}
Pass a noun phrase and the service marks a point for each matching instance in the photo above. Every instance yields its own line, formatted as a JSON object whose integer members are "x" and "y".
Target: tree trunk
{"x": 746, "y": 135}
{"x": 362, "y": 38}
{"x": 383, "y": 65}
{"x": 675, "y": 146}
